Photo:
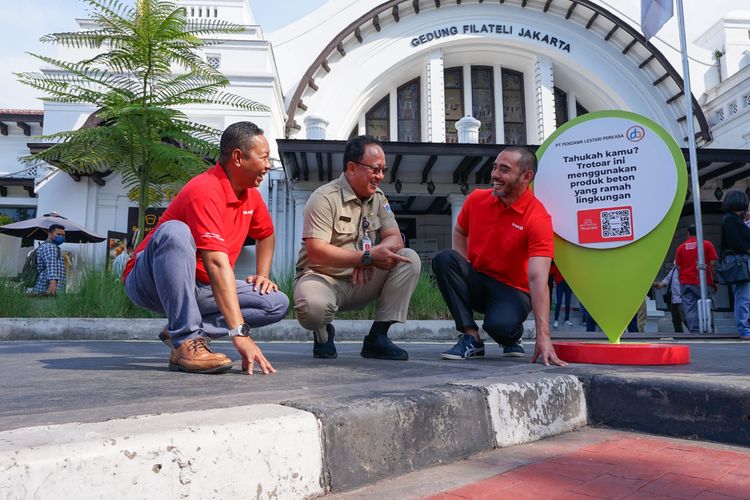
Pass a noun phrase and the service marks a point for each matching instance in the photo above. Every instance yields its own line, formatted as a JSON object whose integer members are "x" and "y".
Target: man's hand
{"x": 251, "y": 353}
{"x": 52, "y": 288}
{"x": 546, "y": 350}
{"x": 384, "y": 258}
{"x": 261, "y": 283}
{"x": 361, "y": 275}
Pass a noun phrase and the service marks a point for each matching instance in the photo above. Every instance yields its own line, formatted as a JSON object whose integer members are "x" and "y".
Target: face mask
{"x": 58, "y": 240}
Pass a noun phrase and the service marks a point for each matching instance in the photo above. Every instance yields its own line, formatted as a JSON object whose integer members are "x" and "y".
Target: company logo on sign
{"x": 635, "y": 133}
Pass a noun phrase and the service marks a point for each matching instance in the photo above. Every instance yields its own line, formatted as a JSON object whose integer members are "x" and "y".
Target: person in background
{"x": 735, "y": 237}
{"x": 50, "y": 264}
{"x": 118, "y": 264}
{"x": 673, "y": 297}
{"x": 686, "y": 259}
{"x": 562, "y": 291}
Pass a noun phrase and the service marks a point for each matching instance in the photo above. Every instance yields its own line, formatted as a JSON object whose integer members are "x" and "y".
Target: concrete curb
{"x": 148, "y": 329}
{"x": 261, "y": 450}
{"x": 712, "y": 408}
{"x": 283, "y": 452}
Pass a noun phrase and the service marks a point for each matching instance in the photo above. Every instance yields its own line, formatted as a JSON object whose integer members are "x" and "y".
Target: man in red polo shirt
{"x": 686, "y": 260}
{"x": 184, "y": 268}
{"x": 502, "y": 250}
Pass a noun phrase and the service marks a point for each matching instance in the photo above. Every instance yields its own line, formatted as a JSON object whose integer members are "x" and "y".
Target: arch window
{"x": 454, "y": 101}
{"x": 377, "y": 120}
{"x": 483, "y": 102}
{"x": 514, "y": 112}
{"x": 409, "y": 123}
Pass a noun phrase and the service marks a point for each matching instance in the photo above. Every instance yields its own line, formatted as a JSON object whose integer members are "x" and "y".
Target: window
{"x": 561, "y": 107}
{"x": 409, "y": 124}
{"x": 513, "y": 107}
{"x": 355, "y": 132}
{"x": 454, "y": 102}
{"x": 580, "y": 110}
{"x": 377, "y": 120}
{"x": 483, "y": 102}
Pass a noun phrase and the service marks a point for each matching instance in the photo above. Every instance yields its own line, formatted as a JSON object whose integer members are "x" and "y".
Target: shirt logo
{"x": 214, "y": 236}
{"x": 247, "y": 212}
{"x": 520, "y": 228}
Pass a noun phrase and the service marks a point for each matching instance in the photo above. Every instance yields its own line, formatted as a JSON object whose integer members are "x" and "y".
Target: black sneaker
{"x": 327, "y": 349}
{"x": 381, "y": 347}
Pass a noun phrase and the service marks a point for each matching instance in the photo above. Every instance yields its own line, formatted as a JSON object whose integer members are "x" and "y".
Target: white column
{"x": 457, "y": 203}
{"x": 315, "y": 127}
{"x": 468, "y": 104}
{"x": 435, "y": 97}
{"x": 300, "y": 198}
{"x": 393, "y": 115}
{"x": 497, "y": 73}
{"x": 468, "y": 130}
{"x": 544, "y": 97}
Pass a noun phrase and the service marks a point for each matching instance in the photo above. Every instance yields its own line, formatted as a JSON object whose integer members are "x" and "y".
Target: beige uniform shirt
{"x": 333, "y": 213}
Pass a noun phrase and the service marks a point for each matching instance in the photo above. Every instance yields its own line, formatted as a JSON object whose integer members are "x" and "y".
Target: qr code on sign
{"x": 617, "y": 223}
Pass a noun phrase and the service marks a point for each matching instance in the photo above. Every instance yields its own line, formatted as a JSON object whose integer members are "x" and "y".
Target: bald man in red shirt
{"x": 184, "y": 268}
{"x": 502, "y": 250}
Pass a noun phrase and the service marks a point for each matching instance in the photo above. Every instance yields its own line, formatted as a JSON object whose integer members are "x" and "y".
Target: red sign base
{"x": 622, "y": 354}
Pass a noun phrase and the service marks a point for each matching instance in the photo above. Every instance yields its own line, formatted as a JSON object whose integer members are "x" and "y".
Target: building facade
{"x": 443, "y": 83}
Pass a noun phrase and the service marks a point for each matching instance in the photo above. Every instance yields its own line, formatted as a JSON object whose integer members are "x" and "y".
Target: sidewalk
{"x": 81, "y": 411}
{"x": 585, "y": 464}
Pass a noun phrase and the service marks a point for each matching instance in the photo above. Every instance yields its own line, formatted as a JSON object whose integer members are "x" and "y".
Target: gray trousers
{"x": 163, "y": 281}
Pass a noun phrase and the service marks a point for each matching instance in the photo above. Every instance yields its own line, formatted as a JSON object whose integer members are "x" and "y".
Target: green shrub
{"x": 97, "y": 294}
{"x": 14, "y": 303}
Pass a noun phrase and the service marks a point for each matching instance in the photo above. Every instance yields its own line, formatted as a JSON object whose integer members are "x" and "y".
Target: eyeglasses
{"x": 373, "y": 168}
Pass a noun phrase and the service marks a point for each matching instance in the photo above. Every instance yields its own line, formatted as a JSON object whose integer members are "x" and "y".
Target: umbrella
{"x": 37, "y": 227}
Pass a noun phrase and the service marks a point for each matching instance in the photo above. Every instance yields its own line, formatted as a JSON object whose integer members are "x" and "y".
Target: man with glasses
{"x": 499, "y": 264}
{"x": 352, "y": 253}
{"x": 184, "y": 268}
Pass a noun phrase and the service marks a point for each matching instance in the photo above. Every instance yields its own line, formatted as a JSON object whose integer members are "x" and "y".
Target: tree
{"x": 145, "y": 70}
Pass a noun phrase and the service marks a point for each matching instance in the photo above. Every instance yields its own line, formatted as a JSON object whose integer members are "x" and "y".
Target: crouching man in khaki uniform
{"x": 352, "y": 253}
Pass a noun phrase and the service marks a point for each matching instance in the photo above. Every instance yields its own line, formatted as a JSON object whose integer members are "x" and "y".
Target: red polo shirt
{"x": 501, "y": 239}
{"x": 686, "y": 259}
{"x": 217, "y": 218}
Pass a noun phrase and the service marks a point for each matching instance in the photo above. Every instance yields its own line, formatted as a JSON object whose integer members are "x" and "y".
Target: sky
{"x": 22, "y": 25}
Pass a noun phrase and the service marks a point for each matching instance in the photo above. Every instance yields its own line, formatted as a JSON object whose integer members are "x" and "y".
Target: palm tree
{"x": 146, "y": 68}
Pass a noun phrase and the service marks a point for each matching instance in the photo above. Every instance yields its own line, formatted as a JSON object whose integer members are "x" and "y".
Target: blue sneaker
{"x": 514, "y": 350}
{"x": 327, "y": 349}
{"x": 465, "y": 348}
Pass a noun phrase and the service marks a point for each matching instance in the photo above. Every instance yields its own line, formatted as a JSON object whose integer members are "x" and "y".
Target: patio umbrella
{"x": 37, "y": 227}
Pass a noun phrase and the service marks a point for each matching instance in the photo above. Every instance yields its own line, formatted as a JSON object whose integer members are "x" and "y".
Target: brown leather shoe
{"x": 195, "y": 356}
{"x": 167, "y": 340}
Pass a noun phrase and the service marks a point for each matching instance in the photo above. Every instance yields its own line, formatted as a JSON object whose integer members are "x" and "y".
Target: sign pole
{"x": 704, "y": 304}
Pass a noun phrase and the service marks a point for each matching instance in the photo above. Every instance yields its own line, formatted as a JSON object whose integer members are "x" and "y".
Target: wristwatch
{"x": 241, "y": 331}
{"x": 366, "y": 258}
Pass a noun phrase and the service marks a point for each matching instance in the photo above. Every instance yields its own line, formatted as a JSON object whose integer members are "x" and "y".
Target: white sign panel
{"x": 607, "y": 181}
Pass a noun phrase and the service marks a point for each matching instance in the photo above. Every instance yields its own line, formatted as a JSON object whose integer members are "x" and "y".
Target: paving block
{"x": 367, "y": 438}
{"x": 259, "y": 451}
{"x": 533, "y": 406}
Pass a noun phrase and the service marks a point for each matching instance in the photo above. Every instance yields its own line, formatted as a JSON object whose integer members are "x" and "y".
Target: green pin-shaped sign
{"x": 615, "y": 184}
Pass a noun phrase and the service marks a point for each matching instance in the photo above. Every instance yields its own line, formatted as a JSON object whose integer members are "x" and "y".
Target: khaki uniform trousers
{"x": 317, "y": 297}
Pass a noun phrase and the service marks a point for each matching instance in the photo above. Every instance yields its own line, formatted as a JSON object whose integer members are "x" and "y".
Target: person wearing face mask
{"x": 353, "y": 254}
{"x": 50, "y": 264}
